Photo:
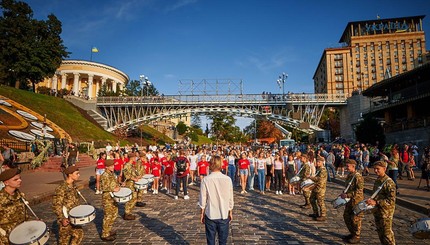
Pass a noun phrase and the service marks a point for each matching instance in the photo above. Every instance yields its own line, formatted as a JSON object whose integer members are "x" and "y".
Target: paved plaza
{"x": 258, "y": 219}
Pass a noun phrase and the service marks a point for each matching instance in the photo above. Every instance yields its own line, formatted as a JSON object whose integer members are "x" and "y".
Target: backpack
{"x": 181, "y": 165}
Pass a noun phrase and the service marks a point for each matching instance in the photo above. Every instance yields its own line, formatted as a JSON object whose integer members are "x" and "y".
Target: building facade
{"x": 371, "y": 51}
{"x": 86, "y": 78}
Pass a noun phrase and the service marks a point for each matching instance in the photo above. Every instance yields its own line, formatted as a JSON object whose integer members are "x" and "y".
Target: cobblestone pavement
{"x": 258, "y": 219}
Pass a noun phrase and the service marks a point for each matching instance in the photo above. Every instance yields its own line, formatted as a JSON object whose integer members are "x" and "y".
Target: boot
{"x": 347, "y": 237}
{"x": 140, "y": 204}
{"x": 129, "y": 217}
{"x": 312, "y": 215}
{"x": 112, "y": 233}
{"x": 354, "y": 240}
{"x": 305, "y": 206}
{"x": 321, "y": 218}
{"x": 109, "y": 238}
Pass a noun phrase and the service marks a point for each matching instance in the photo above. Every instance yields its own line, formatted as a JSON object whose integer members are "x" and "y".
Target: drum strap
{"x": 2, "y": 232}
{"x": 349, "y": 184}
{"x": 379, "y": 189}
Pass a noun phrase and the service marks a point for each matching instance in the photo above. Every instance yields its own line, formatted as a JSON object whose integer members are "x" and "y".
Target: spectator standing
{"x": 216, "y": 203}
{"x": 243, "y": 172}
{"x": 182, "y": 169}
{"x": 8, "y": 153}
{"x": 252, "y": 162}
{"x": 329, "y": 164}
{"x": 261, "y": 171}
{"x": 279, "y": 173}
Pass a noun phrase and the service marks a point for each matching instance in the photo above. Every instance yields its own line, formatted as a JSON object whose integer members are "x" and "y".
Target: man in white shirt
{"x": 216, "y": 203}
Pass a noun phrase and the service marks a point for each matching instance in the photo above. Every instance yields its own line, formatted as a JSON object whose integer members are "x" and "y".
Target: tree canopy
{"x": 30, "y": 49}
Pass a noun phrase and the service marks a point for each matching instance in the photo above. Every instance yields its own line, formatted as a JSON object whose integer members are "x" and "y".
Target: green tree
{"x": 132, "y": 88}
{"x": 224, "y": 129}
{"x": 181, "y": 128}
{"x": 369, "y": 131}
{"x": 196, "y": 122}
{"x": 30, "y": 49}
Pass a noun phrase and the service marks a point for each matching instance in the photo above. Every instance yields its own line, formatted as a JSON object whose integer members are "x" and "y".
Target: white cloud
{"x": 179, "y": 4}
{"x": 267, "y": 62}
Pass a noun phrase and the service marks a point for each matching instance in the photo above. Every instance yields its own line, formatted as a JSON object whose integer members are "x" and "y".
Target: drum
{"x": 339, "y": 202}
{"x": 123, "y": 195}
{"x": 295, "y": 179}
{"x": 362, "y": 207}
{"x": 30, "y": 232}
{"x": 421, "y": 228}
{"x": 149, "y": 177}
{"x": 307, "y": 185}
{"x": 141, "y": 184}
{"x": 82, "y": 214}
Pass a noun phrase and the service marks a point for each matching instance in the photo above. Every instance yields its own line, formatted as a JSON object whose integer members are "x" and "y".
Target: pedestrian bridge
{"x": 300, "y": 111}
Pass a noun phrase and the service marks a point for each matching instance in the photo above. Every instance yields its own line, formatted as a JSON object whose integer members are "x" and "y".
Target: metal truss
{"x": 299, "y": 111}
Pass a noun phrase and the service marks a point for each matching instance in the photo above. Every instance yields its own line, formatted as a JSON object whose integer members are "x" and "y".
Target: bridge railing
{"x": 226, "y": 98}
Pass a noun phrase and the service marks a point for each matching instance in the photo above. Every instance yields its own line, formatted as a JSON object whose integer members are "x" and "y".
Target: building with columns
{"x": 371, "y": 51}
{"x": 85, "y": 78}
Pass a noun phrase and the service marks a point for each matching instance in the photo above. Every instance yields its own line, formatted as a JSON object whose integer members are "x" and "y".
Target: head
{"x": 11, "y": 178}
{"x": 109, "y": 165}
{"x": 215, "y": 164}
{"x": 72, "y": 173}
{"x": 380, "y": 167}
{"x": 320, "y": 161}
{"x": 350, "y": 165}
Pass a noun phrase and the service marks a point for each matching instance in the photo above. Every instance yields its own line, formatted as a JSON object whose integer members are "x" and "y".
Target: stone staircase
{"x": 53, "y": 164}
{"x": 98, "y": 118}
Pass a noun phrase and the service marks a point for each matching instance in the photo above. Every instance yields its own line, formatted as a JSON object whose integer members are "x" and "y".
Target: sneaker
{"x": 242, "y": 192}
{"x": 186, "y": 197}
{"x": 145, "y": 191}
{"x": 154, "y": 192}
{"x": 277, "y": 193}
{"x": 251, "y": 189}
{"x": 294, "y": 193}
{"x": 176, "y": 197}
{"x": 98, "y": 192}
{"x": 192, "y": 183}
{"x": 167, "y": 192}
{"x": 280, "y": 192}
{"x": 245, "y": 191}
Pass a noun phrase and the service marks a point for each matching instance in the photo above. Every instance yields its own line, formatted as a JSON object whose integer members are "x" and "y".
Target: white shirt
{"x": 216, "y": 196}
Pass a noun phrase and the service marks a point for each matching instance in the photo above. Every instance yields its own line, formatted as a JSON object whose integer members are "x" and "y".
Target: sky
{"x": 253, "y": 41}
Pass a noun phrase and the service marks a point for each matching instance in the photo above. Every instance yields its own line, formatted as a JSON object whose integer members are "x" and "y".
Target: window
{"x": 372, "y": 62}
{"x": 396, "y": 67}
{"x": 404, "y": 67}
{"x": 388, "y": 61}
{"x": 381, "y": 68}
{"x": 419, "y": 43}
{"x": 396, "y": 60}
{"x": 365, "y": 48}
{"x": 357, "y": 56}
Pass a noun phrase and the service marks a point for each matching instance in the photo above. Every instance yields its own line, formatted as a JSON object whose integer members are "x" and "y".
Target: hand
{"x": 202, "y": 218}
{"x": 343, "y": 195}
{"x": 65, "y": 222}
{"x": 230, "y": 216}
{"x": 371, "y": 202}
{"x": 117, "y": 188}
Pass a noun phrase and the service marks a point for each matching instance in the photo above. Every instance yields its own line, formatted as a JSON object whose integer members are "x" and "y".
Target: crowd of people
{"x": 303, "y": 169}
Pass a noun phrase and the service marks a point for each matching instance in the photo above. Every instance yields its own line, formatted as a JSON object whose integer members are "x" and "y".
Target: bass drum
{"x": 362, "y": 207}
{"x": 307, "y": 185}
{"x": 339, "y": 202}
{"x": 421, "y": 228}
{"x": 30, "y": 232}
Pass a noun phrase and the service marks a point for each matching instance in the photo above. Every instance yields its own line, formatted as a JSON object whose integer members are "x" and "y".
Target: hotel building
{"x": 371, "y": 51}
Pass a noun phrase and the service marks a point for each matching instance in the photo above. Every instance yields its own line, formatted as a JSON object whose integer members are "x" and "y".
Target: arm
{"x": 57, "y": 206}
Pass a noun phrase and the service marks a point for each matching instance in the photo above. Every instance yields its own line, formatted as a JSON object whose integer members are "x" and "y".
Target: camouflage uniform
{"x": 384, "y": 210}
{"x": 108, "y": 182}
{"x": 66, "y": 196}
{"x": 129, "y": 171}
{"x": 355, "y": 192}
{"x": 318, "y": 193}
{"x": 140, "y": 171}
{"x": 12, "y": 213}
{"x": 306, "y": 171}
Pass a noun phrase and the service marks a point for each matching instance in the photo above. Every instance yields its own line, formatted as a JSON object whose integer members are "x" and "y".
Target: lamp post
{"x": 144, "y": 81}
{"x": 281, "y": 83}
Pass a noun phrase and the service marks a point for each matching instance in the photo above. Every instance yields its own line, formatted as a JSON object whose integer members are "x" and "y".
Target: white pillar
{"x": 76, "y": 83}
{"x": 63, "y": 80}
{"x": 90, "y": 85}
{"x": 114, "y": 86}
{"x": 97, "y": 87}
{"x": 54, "y": 84}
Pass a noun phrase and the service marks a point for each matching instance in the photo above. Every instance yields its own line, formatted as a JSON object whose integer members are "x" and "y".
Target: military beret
{"x": 71, "y": 170}
{"x": 9, "y": 173}
{"x": 351, "y": 161}
{"x": 109, "y": 162}
{"x": 380, "y": 163}
{"x": 320, "y": 158}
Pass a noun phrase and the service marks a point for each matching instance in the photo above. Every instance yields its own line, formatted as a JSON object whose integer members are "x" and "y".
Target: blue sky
{"x": 249, "y": 40}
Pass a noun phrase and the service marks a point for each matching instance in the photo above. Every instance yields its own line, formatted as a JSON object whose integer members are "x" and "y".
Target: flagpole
{"x": 91, "y": 50}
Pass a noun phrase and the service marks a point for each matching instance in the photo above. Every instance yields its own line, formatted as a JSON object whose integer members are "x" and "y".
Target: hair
{"x": 216, "y": 163}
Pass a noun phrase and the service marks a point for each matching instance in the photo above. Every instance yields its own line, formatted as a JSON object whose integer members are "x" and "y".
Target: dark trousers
{"x": 278, "y": 179}
{"x": 182, "y": 180}
{"x": 212, "y": 227}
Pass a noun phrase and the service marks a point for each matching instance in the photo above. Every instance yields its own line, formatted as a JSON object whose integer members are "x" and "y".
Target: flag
{"x": 94, "y": 50}
{"x": 378, "y": 17}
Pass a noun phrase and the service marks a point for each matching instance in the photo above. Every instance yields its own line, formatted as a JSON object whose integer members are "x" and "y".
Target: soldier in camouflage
{"x": 141, "y": 171}
{"x": 67, "y": 196}
{"x": 12, "y": 211}
{"x": 318, "y": 192}
{"x": 131, "y": 175}
{"x": 109, "y": 183}
{"x": 305, "y": 174}
{"x": 356, "y": 195}
{"x": 385, "y": 203}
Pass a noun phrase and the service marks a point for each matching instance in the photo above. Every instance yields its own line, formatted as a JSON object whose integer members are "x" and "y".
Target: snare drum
{"x": 339, "y": 202}
{"x": 141, "y": 184}
{"x": 149, "y": 177}
{"x": 307, "y": 185}
{"x": 362, "y": 207}
{"x": 30, "y": 232}
{"x": 421, "y": 229}
{"x": 295, "y": 179}
{"x": 82, "y": 214}
{"x": 123, "y": 195}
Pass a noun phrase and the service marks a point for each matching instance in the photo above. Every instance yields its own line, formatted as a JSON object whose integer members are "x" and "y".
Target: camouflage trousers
{"x": 110, "y": 210}
{"x": 384, "y": 227}
{"x": 307, "y": 195}
{"x": 130, "y": 204}
{"x": 352, "y": 222}
{"x": 70, "y": 234}
{"x": 140, "y": 195}
{"x": 318, "y": 204}
{"x": 4, "y": 239}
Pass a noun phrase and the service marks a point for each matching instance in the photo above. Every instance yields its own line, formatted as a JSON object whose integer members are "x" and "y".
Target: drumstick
{"x": 26, "y": 204}
{"x": 65, "y": 212}
{"x": 82, "y": 196}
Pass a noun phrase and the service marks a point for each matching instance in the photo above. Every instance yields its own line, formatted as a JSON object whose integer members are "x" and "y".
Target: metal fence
{"x": 16, "y": 145}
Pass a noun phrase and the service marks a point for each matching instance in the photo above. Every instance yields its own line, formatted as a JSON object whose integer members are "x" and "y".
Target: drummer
{"x": 385, "y": 203}
{"x": 109, "y": 183}
{"x": 305, "y": 174}
{"x": 66, "y": 196}
{"x": 356, "y": 195}
{"x": 131, "y": 175}
{"x": 141, "y": 169}
{"x": 12, "y": 211}
{"x": 318, "y": 192}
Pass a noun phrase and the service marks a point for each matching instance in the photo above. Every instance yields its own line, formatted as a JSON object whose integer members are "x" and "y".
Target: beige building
{"x": 86, "y": 78}
{"x": 372, "y": 51}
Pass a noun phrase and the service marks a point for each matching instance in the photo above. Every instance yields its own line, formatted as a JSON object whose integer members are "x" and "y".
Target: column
{"x": 76, "y": 84}
{"x": 97, "y": 87}
{"x": 90, "y": 85}
{"x": 63, "y": 80}
{"x": 114, "y": 86}
{"x": 54, "y": 84}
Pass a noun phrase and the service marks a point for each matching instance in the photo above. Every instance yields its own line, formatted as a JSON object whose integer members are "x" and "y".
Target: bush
{"x": 44, "y": 90}
{"x": 182, "y": 128}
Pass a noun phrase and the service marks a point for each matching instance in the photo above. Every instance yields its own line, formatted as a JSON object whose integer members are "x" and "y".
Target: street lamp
{"x": 144, "y": 81}
{"x": 281, "y": 83}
